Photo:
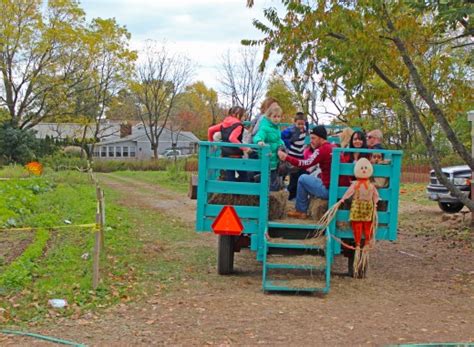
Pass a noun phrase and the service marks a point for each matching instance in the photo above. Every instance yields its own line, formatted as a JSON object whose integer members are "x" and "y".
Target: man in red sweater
{"x": 308, "y": 184}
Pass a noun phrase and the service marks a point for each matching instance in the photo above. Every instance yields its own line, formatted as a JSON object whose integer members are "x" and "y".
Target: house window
{"x": 118, "y": 151}
{"x": 96, "y": 151}
{"x": 111, "y": 151}
{"x": 132, "y": 151}
{"x": 103, "y": 152}
{"x": 125, "y": 151}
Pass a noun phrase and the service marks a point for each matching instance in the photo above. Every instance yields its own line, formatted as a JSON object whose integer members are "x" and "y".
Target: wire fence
{"x": 416, "y": 173}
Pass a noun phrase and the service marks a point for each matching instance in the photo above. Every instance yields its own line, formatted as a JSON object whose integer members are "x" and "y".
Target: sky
{"x": 202, "y": 30}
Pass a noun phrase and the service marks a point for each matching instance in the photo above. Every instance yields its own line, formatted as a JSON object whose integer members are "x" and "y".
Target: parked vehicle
{"x": 172, "y": 153}
{"x": 460, "y": 176}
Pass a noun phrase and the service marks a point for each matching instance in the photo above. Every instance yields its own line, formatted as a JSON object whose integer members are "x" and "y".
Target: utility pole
{"x": 470, "y": 117}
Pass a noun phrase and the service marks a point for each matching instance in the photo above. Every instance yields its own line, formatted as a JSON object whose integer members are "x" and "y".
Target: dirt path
{"x": 419, "y": 290}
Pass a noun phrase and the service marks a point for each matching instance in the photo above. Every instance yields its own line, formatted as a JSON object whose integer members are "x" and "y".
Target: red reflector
{"x": 227, "y": 222}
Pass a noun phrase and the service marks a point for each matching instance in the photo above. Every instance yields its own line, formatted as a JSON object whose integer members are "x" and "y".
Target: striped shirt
{"x": 294, "y": 141}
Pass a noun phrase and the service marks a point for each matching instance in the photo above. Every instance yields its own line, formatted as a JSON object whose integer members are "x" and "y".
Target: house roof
{"x": 138, "y": 132}
{"x": 75, "y": 130}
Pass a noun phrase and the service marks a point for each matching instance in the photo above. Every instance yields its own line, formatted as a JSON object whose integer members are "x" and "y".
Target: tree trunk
{"x": 434, "y": 153}
{"x": 428, "y": 97}
{"x": 434, "y": 158}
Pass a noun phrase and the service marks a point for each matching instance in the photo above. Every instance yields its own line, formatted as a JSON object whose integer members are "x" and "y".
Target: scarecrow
{"x": 363, "y": 214}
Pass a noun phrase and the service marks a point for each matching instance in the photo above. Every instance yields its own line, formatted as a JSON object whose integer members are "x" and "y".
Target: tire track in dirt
{"x": 426, "y": 296}
{"x": 153, "y": 196}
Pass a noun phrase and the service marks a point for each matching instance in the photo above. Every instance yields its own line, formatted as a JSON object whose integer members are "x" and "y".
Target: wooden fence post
{"x": 470, "y": 118}
{"x": 96, "y": 259}
{"x": 102, "y": 218}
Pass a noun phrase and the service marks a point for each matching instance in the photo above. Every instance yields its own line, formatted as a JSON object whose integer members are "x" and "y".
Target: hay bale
{"x": 317, "y": 208}
{"x": 234, "y": 199}
{"x": 277, "y": 202}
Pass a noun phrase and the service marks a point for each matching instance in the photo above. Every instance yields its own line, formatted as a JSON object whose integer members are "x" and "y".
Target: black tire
{"x": 350, "y": 264}
{"x": 225, "y": 255}
{"x": 451, "y": 207}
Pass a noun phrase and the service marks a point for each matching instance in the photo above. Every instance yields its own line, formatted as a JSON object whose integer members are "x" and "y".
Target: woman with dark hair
{"x": 358, "y": 140}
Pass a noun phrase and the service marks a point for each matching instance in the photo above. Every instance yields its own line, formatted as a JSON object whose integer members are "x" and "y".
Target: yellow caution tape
{"x": 95, "y": 227}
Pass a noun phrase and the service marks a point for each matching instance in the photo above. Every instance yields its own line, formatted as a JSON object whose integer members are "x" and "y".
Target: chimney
{"x": 125, "y": 129}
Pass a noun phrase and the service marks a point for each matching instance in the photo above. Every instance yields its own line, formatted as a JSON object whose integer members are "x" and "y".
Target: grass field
{"x": 173, "y": 178}
{"x": 140, "y": 252}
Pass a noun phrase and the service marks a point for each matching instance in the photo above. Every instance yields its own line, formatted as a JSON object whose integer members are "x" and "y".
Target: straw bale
{"x": 317, "y": 208}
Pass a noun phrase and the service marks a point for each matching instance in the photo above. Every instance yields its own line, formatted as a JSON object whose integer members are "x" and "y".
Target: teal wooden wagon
{"x": 291, "y": 261}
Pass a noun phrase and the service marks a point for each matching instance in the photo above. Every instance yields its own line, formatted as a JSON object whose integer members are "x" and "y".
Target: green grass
{"x": 14, "y": 171}
{"x": 415, "y": 192}
{"x": 143, "y": 250}
{"x": 174, "y": 180}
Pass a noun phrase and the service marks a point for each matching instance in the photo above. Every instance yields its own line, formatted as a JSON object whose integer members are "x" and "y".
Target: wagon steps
{"x": 295, "y": 259}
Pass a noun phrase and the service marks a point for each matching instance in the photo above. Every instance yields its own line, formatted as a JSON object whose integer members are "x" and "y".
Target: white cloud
{"x": 202, "y": 30}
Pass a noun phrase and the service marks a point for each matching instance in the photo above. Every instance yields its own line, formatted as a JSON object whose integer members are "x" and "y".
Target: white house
{"x": 136, "y": 144}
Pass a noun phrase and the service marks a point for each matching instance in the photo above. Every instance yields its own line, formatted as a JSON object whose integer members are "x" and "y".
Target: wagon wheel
{"x": 225, "y": 255}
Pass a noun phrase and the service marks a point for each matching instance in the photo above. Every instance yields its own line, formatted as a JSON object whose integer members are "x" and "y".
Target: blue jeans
{"x": 309, "y": 185}
{"x": 274, "y": 181}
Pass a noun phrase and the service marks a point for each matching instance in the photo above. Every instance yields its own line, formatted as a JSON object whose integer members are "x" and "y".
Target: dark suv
{"x": 461, "y": 177}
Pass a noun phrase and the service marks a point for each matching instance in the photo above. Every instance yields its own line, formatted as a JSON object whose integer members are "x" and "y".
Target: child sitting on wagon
{"x": 231, "y": 130}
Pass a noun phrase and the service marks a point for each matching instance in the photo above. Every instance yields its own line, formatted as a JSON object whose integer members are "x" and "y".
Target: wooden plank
{"x": 227, "y": 187}
{"x": 384, "y": 193}
{"x": 233, "y": 164}
{"x": 382, "y": 234}
{"x": 379, "y": 170}
{"x": 343, "y": 216}
{"x": 250, "y": 212}
{"x": 250, "y": 226}
{"x": 201, "y": 189}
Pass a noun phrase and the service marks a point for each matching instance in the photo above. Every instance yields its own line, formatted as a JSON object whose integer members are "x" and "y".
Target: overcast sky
{"x": 203, "y": 30}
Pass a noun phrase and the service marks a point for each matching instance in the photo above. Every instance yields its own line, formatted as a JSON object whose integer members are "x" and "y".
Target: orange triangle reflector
{"x": 227, "y": 222}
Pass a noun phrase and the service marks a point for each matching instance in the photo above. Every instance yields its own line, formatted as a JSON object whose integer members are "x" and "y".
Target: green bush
{"x": 17, "y": 145}
{"x": 61, "y": 162}
{"x": 132, "y": 165}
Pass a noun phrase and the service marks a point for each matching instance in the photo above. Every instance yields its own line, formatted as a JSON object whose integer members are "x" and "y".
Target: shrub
{"x": 17, "y": 145}
{"x": 61, "y": 161}
{"x": 132, "y": 165}
{"x": 191, "y": 164}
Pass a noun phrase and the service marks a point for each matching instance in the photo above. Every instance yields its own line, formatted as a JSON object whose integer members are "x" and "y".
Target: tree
{"x": 400, "y": 46}
{"x": 277, "y": 89}
{"x": 122, "y": 107}
{"x": 109, "y": 65}
{"x": 159, "y": 79}
{"x": 17, "y": 145}
{"x": 241, "y": 79}
{"x": 197, "y": 108}
{"x": 39, "y": 46}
